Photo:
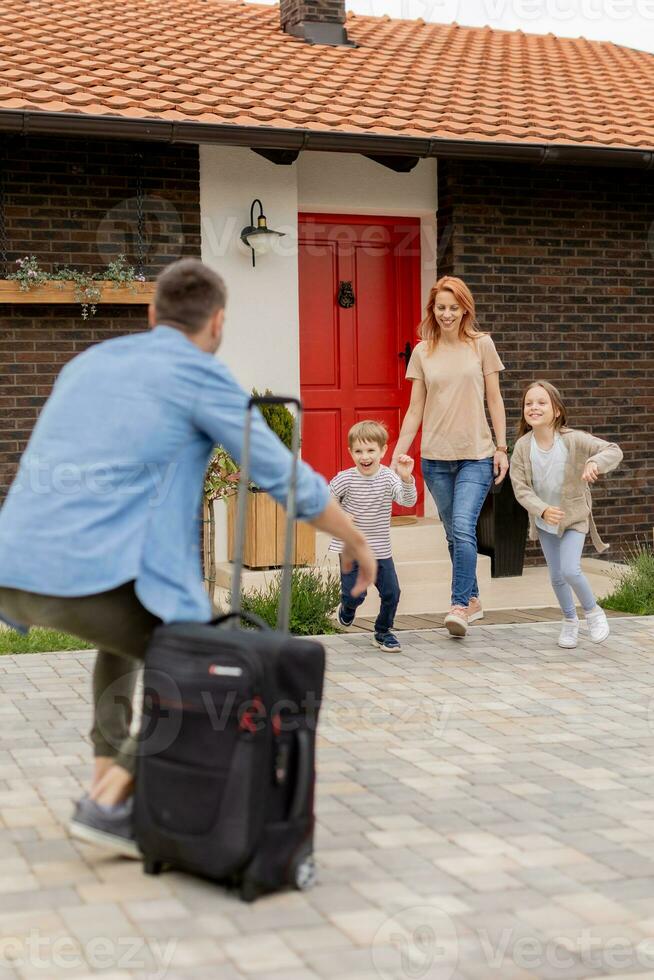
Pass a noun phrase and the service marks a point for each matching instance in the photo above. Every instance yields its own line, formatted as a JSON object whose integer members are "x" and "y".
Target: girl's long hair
{"x": 429, "y": 330}
{"x": 560, "y": 422}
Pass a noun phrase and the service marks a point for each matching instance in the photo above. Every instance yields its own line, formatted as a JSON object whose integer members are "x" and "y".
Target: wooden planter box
{"x": 64, "y": 292}
{"x": 502, "y": 531}
{"x": 264, "y": 534}
{"x": 208, "y": 543}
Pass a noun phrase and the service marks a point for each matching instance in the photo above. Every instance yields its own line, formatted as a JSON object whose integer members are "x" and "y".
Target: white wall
{"x": 261, "y": 342}
{"x": 261, "y": 339}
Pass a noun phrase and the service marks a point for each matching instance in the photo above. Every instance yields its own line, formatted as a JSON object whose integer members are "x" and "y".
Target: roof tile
{"x": 229, "y": 62}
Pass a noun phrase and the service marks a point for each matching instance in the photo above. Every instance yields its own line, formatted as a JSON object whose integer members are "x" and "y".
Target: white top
{"x": 369, "y": 500}
{"x": 547, "y": 472}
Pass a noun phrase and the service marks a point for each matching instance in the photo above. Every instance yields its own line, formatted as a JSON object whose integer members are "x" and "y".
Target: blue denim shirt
{"x": 110, "y": 486}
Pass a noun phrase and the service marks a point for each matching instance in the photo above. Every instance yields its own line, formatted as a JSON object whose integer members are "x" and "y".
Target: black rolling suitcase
{"x": 226, "y": 767}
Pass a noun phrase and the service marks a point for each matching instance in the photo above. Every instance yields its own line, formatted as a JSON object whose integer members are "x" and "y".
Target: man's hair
{"x": 368, "y": 431}
{"x": 188, "y": 293}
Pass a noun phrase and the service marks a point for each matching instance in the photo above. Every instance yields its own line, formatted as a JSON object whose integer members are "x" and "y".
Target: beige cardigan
{"x": 575, "y": 496}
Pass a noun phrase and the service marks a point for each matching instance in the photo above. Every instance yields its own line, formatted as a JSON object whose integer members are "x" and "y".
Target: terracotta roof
{"x": 221, "y": 62}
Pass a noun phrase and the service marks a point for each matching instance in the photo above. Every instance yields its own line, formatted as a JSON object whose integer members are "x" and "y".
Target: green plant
{"x": 88, "y": 288}
{"x": 315, "y": 593}
{"x": 279, "y": 418}
{"x": 39, "y": 640}
{"x": 221, "y": 479}
{"x": 223, "y": 471}
{"x": 634, "y": 586}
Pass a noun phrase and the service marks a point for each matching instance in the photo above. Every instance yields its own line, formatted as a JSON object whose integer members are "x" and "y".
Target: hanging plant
{"x": 222, "y": 475}
{"x": 88, "y": 287}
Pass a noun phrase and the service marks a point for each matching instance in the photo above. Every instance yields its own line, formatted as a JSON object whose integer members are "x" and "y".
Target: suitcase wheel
{"x": 151, "y": 866}
{"x": 249, "y": 890}
{"x": 305, "y": 874}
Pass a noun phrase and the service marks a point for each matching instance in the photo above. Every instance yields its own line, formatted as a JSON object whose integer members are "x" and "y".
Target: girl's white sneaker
{"x": 598, "y": 625}
{"x": 569, "y": 634}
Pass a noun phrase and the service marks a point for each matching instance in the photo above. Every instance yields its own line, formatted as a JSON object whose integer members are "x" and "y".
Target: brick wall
{"x": 294, "y": 12}
{"x": 561, "y": 263}
{"x": 73, "y": 202}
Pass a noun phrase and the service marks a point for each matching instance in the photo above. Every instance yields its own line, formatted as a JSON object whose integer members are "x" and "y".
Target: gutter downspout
{"x": 26, "y": 122}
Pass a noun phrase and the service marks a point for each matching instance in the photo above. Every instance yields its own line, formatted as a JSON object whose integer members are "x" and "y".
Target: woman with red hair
{"x": 455, "y": 371}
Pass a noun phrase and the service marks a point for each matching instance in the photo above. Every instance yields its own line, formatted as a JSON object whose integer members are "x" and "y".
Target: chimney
{"x": 315, "y": 21}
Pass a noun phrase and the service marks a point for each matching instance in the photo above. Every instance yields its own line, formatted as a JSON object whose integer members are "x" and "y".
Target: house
{"x": 386, "y": 152}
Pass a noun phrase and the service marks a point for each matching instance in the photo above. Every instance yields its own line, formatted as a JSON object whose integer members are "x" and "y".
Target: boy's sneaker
{"x": 475, "y": 611}
{"x": 456, "y": 621}
{"x": 106, "y": 826}
{"x": 387, "y": 641}
{"x": 569, "y": 634}
{"x": 598, "y": 625}
{"x": 345, "y": 619}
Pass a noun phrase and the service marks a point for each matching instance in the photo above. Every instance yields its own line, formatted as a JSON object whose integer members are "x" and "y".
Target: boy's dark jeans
{"x": 386, "y": 584}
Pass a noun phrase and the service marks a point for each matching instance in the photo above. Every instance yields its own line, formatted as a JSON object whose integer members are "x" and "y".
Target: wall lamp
{"x": 259, "y": 238}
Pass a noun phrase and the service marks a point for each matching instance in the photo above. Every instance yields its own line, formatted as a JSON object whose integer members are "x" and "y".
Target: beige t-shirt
{"x": 454, "y": 423}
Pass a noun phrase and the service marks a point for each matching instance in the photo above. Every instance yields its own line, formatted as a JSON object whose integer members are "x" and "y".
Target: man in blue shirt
{"x": 99, "y": 532}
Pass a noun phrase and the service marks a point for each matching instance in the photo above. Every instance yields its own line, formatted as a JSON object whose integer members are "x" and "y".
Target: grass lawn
{"x": 39, "y": 640}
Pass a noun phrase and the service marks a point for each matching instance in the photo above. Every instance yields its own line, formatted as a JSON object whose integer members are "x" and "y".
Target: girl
{"x": 455, "y": 371}
{"x": 551, "y": 469}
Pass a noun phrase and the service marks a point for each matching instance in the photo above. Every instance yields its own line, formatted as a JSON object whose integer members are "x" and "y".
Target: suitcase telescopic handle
{"x": 248, "y": 617}
{"x": 283, "y": 613}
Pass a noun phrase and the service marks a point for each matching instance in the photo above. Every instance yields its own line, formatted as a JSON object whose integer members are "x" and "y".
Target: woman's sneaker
{"x": 456, "y": 621}
{"x": 598, "y": 625}
{"x": 387, "y": 641}
{"x": 475, "y": 611}
{"x": 109, "y": 827}
{"x": 569, "y": 634}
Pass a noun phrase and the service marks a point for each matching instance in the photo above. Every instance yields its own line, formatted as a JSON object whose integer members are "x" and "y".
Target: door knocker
{"x": 345, "y": 295}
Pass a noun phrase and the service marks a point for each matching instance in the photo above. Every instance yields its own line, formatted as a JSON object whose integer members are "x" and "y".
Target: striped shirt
{"x": 369, "y": 499}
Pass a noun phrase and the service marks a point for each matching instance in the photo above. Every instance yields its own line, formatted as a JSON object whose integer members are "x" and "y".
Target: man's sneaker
{"x": 475, "y": 611}
{"x": 456, "y": 621}
{"x": 598, "y": 625}
{"x": 345, "y": 619}
{"x": 569, "y": 634}
{"x": 106, "y": 826}
{"x": 387, "y": 641}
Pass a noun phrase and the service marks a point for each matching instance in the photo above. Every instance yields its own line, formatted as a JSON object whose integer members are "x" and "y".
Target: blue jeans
{"x": 563, "y": 557}
{"x": 386, "y": 584}
{"x": 459, "y": 488}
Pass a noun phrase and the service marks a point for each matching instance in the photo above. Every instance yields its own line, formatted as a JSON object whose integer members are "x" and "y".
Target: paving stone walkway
{"x": 486, "y": 810}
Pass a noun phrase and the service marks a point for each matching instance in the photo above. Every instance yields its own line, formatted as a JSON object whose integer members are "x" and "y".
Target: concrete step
{"x": 597, "y": 566}
{"x": 425, "y": 585}
{"x": 423, "y": 541}
{"x": 529, "y": 591}
{"x": 421, "y": 559}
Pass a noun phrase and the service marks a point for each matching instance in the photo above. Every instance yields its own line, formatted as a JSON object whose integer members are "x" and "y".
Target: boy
{"x": 366, "y": 492}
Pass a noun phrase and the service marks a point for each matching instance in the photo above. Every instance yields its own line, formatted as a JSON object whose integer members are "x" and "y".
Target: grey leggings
{"x": 563, "y": 557}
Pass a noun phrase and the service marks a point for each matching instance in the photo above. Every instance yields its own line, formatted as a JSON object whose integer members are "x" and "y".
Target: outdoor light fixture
{"x": 259, "y": 238}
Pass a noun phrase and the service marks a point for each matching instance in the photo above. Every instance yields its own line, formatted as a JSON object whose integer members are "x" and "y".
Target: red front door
{"x": 359, "y": 309}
